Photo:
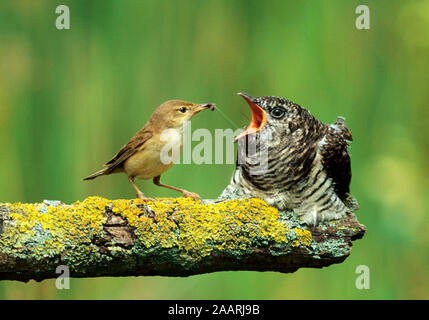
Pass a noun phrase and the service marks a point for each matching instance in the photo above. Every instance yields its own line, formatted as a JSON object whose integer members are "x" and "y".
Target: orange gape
{"x": 259, "y": 118}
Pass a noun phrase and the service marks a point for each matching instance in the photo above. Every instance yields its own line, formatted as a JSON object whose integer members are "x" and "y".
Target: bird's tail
{"x": 97, "y": 174}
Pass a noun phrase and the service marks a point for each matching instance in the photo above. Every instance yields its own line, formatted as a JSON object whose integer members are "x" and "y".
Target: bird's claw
{"x": 142, "y": 197}
{"x": 188, "y": 194}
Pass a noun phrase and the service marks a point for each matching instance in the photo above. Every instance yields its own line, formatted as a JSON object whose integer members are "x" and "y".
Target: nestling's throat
{"x": 258, "y": 122}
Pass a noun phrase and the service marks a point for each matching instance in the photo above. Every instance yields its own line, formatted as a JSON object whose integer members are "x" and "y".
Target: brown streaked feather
{"x": 336, "y": 158}
{"x": 134, "y": 145}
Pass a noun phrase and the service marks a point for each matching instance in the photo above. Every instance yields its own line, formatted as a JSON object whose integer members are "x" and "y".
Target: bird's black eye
{"x": 278, "y": 112}
{"x": 182, "y": 109}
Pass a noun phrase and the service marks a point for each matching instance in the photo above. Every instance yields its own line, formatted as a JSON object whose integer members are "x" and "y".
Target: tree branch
{"x": 168, "y": 237}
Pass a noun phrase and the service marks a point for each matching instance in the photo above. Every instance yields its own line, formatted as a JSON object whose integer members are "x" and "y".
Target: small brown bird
{"x": 147, "y": 154}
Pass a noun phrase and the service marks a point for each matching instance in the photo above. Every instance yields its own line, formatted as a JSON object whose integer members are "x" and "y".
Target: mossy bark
{"x": 168, "y": 237}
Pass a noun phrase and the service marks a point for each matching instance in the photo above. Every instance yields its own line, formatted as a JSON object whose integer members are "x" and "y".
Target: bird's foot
{"x": 188, "y": 194}
{"x": 141, "y": 196}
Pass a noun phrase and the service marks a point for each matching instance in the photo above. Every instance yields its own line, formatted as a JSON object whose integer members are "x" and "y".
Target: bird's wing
{"x": 133, "y": 146}
{"x": 335, "y": 157}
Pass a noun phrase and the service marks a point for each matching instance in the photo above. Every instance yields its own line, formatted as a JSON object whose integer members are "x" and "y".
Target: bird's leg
{"x": 157, "y": 181}
{"x": 140, "y": 194}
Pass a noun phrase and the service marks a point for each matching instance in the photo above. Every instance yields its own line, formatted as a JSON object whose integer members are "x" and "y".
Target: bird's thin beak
{"x": 259, "y": 117}
{"x": 203, "y": 106}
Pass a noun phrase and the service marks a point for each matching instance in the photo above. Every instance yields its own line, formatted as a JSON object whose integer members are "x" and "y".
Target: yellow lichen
{"x": 229, "y": 225}
{"x": 304, "y": 237}
{"x": 196, "y": 229}
{"x": 57, "y": 224}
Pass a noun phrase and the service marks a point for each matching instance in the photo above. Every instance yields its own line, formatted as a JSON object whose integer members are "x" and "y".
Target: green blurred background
{"x": 70, "y": 99}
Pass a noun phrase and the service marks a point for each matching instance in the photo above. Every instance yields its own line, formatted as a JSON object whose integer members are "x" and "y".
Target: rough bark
{"x": 168, "y": 237}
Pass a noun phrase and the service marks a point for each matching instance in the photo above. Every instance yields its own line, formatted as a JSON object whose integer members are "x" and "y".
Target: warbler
{"x": 154, "y": 149}
{"x": 307, "y": 162}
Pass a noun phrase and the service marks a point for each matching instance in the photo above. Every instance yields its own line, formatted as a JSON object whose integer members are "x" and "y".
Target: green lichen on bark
{"x": 176, "y": 237}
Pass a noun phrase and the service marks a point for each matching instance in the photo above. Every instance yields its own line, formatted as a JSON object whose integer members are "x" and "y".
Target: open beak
{"x": 259, "y": 117}
{"x": 201, "y": 107}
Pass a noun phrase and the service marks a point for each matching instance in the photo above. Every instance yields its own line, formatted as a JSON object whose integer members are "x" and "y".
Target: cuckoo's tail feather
{"x": 97, "y": 174}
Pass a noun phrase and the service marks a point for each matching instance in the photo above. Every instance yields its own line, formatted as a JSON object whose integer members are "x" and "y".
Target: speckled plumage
{"x": 308, "y": 169}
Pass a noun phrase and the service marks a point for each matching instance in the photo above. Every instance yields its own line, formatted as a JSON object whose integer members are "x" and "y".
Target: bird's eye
{"x": 278, "y": 112}
{"x": 182, "y": 109}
